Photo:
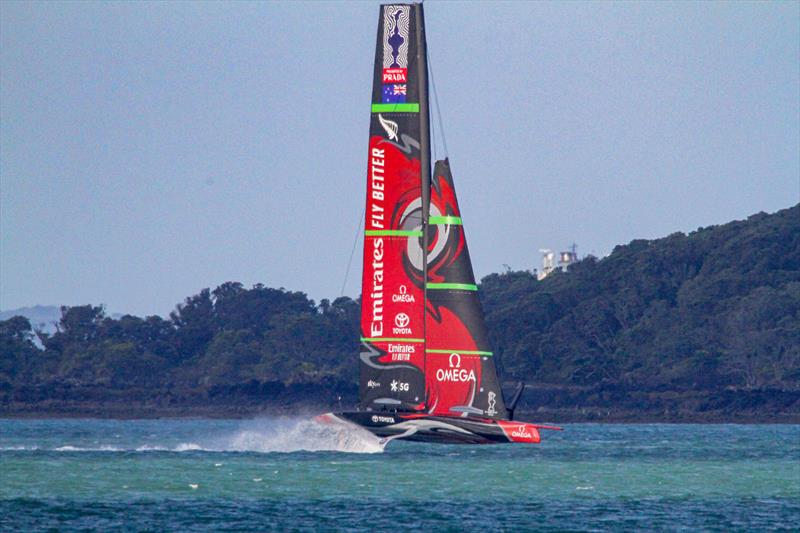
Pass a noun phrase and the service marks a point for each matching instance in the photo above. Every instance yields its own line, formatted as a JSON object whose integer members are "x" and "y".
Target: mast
{"x": 425, "y": 164}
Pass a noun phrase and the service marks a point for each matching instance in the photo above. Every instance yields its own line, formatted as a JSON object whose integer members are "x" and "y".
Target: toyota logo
{"x": 401, "y": 320}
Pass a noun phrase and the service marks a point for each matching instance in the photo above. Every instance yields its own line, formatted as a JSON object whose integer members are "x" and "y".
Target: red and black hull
{"x": 422, "y": 427}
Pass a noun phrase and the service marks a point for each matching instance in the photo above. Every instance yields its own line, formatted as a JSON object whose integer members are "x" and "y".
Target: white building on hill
{"x": 549, "y": 261}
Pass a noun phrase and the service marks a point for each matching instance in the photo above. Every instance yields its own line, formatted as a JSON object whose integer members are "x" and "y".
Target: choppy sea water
{"x": 292, "y": 474}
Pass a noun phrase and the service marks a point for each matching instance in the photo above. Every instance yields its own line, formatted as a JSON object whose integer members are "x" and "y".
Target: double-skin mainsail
{"x": 423, "y": 338}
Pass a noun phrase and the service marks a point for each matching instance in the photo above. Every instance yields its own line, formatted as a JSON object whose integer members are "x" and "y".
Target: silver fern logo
{"x": 390, "y": 127}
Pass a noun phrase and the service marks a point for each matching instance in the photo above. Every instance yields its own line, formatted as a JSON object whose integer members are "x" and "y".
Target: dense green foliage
{"x": 717, "y": 308}
{"x": 228, "y": 343}
{"x": 704, "y": 322}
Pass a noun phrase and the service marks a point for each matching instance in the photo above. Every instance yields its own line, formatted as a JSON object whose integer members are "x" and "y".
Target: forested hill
{"x": 704, "y": 326}
{"x": 706, "y": 323}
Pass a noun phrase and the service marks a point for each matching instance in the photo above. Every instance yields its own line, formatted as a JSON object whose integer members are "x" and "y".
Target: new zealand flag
{"x": 394, "y": 93}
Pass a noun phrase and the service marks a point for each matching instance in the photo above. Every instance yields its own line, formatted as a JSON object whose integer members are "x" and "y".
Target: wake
{"x": 293, "y": 435}
{"x": 263, "y": 435}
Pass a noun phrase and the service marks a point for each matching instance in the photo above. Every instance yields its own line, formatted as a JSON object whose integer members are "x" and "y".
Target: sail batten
{"x": 395, "y": 108}
{"x": 448, "y": 220}
{"x": 392, "y": 233}
{"x": 390, "y": 339}
{"x": 453, "y": 286}
{"x": 463, "y": 352}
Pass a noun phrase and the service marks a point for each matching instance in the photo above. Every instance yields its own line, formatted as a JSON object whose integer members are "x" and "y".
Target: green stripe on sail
{"x": 461, "y": 352}
{"x": 451, "y": 221}
{"x": 392, "y": 233}
{"x": 453, "y": 286}
{"x": 388, "y": 339}
{"x": 395, "y": 108}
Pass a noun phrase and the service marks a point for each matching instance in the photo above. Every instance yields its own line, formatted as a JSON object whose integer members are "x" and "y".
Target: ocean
{"x": 293, "y": 474}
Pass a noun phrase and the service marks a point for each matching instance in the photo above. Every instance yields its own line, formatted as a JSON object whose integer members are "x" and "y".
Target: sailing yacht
{"x": 426, "y": 365}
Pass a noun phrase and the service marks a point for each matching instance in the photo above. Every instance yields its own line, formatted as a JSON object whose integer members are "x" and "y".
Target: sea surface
{"x": 293, "y": 474}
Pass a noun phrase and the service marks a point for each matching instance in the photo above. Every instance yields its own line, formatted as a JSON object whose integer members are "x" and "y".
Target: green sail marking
{"x": 453, "y": 286}
{"x": 392, "y": 233}
{"x": 395, "y": 108}
{"x": 449, "y": 220}
{"x": 388, "y": 339}
{"x": 461, "y": 352}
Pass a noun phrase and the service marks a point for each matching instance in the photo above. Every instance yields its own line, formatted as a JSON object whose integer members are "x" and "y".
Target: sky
{"x": 150, "y": 150}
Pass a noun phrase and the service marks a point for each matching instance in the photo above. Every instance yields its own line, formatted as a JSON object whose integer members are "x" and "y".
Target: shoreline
{"x": 560, "y": 416}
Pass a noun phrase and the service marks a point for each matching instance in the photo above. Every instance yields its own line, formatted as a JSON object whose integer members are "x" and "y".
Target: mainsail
{"x": 424, "y": 345}
{"x": 392, "y": 296}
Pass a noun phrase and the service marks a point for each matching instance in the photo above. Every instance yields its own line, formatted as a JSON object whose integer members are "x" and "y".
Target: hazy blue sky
{"x": 148, "y": 150}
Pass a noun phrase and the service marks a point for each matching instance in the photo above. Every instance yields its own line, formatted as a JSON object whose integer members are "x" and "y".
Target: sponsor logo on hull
{"x": 519, "y": 431}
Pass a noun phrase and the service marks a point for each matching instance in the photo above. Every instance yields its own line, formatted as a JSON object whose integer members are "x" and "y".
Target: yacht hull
{"x": 423, "y": 427}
